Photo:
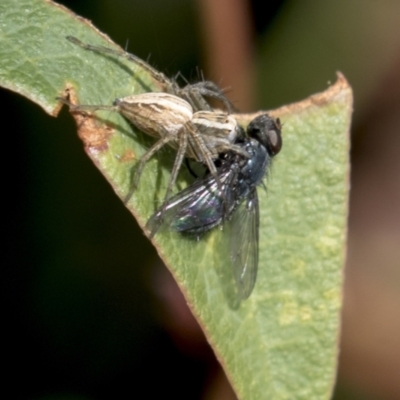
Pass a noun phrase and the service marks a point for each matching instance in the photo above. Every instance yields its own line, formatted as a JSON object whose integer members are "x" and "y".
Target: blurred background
{"x": 89, "y": 311}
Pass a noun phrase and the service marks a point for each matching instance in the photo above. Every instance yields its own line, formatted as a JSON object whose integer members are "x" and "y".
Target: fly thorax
{"x": 256, "y": 166}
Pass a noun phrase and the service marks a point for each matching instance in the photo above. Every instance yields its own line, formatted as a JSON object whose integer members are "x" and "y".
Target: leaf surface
{"x": 281, "y": 343}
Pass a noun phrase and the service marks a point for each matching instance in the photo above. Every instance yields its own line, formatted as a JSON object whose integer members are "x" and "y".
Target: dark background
{"x": 89, "y": 312}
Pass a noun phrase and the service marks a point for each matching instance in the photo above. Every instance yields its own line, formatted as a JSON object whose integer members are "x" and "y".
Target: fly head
{"x": 267, "y": 131}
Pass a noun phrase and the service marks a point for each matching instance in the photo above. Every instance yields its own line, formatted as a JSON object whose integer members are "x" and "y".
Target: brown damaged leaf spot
{"x": 339, "y": 91}
{"x": 128, "y": 156}
{"x": 94, "y": 133}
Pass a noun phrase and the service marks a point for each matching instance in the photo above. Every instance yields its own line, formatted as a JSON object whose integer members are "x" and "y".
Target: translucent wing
{"x": 244, "y": 238}
{"x": 198, "y": 208}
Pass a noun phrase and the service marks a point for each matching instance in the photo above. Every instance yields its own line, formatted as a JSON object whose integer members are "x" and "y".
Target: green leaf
{"x": 281, "y": 343}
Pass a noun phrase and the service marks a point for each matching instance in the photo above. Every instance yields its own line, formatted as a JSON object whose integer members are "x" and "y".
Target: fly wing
{"x": 244, "y": 238}
{"x": 196, "y": 209}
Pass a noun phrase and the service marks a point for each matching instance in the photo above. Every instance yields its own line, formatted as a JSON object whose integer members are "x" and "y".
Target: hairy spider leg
{"x": 193, "y": 93}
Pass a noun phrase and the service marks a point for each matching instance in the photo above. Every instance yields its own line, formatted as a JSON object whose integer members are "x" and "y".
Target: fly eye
{"x": 267, "y": 131}
{"x": 274, "y": 141}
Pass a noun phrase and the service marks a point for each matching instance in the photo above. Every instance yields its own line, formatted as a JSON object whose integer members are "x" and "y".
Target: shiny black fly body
{"x": 234, "y": 203}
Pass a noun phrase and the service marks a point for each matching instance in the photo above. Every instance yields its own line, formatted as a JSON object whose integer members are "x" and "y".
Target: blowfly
{"x": 230, "y": 201}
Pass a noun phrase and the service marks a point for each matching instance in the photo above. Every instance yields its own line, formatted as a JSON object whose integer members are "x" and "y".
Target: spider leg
{"x": 170, "y": 86}
{"x": 142, "y": 162}
{"x": 195, "y": 93}
{"x": 202, "y": 152}
{"x": 183, "y": 141}
{"x": 225, "y": 147}
{"x": 206, "y": 158}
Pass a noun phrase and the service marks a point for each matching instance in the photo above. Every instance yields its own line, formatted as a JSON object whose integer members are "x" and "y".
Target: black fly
{"x": 232, "y": 203}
